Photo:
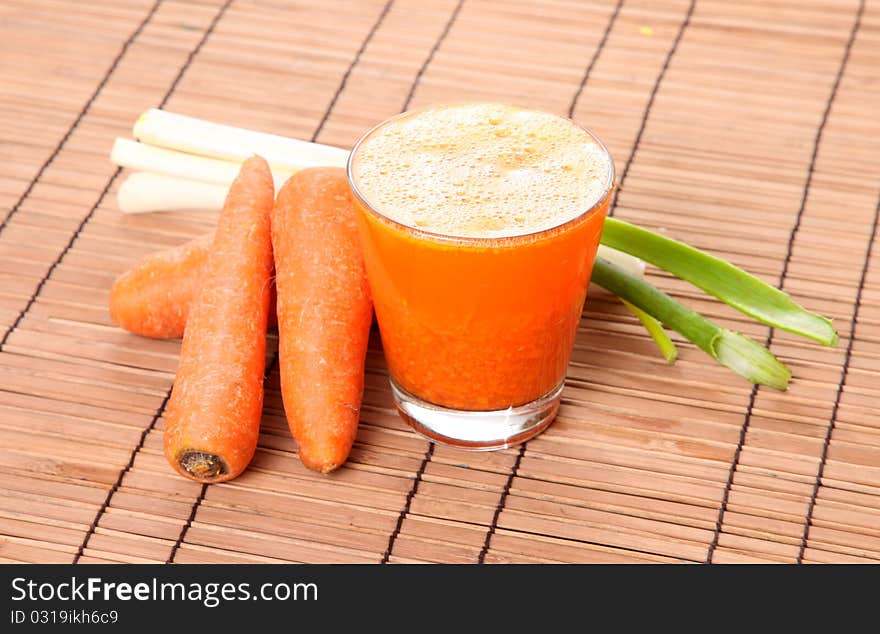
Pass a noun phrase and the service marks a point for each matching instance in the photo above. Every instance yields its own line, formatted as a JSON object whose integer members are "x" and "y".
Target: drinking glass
{"x": 477, "y": 332}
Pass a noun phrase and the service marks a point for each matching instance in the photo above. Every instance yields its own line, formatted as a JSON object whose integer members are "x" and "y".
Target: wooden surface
{"x": 749, "y": 129}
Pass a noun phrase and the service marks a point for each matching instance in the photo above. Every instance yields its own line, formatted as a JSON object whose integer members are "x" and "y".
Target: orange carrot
{"x": 324, "y": 314}
{"x": 213, "y": 416}
{"x": 153, "y": 298}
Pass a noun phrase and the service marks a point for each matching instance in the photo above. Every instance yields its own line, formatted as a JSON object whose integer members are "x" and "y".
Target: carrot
{"x": 153, "y": 298}
{"x": 324, "y": 314}
{"x": 213, "y": 416}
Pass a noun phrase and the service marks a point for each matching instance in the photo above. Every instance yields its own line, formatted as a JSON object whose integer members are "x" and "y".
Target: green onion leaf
{"x": 655, "y": 329}
{"x": 744, "y": 356}
{"x": 720, "y": 278}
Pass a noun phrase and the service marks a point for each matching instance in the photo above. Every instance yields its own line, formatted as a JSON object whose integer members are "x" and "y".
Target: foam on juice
{"x": 481, "y": 170}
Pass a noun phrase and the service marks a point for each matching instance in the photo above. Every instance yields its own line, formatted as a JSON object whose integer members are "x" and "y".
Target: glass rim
{"x": 445, "y": 237}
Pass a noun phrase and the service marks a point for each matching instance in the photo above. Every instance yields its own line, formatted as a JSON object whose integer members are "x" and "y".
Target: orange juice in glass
{"x": 479, "y": 224}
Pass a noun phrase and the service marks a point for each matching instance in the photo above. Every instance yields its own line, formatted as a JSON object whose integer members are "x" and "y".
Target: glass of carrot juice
{"x": 479, "y": 224}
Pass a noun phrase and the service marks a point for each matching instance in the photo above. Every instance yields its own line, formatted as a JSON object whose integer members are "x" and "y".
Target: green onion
{"x": 655, "y": 329}
{"x": 744, "y": 356}
{"x": 636, "y": 267}
{"x": 720, "y": 278}
{"x": 625, "y": 261}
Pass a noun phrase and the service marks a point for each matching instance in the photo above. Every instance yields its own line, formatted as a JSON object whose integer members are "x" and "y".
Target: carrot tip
{"x": 203, "y": 466}
{"x": 320, "y": 466}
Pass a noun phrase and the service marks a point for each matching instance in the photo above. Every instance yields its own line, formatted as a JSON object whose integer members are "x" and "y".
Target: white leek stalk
{"x": 143, "y": 192}
{"x": 195, "y": 136}
{"x": 149, "y": 158}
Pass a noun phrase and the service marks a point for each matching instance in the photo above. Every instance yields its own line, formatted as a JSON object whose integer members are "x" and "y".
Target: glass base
{"x": 477, "y": 431}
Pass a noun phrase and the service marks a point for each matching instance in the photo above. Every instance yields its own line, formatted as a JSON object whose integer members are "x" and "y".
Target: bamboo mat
{"x": 749, "y": 129}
